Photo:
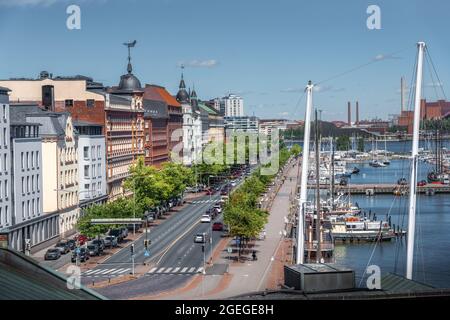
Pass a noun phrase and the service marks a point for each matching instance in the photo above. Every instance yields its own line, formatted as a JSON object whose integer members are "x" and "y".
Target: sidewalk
{"x": 248, "y": 276}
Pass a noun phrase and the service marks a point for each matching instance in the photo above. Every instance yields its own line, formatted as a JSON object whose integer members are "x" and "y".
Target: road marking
{"x": 167, "y": 270}
{"x": 109, "y": 271}
{"x": 200, "y": 270}
{"x": 191, "y": 270}
{"x": 90, "y": 271}
{"x": 176, "y": 269}
{"x": 153, "y": 270}
{"x": 160, "y": 270}
{"x": 126, "y": 270}
{"x": 118, "y": 270}
{"x": 184, "y": 270}
{"x": 96, "y": 271}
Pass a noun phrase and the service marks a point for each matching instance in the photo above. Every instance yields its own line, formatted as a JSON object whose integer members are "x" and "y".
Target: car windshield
{"x": 60, "y": 244}
{"x": 53, "y": 250}
{"x": 91, "y": 247}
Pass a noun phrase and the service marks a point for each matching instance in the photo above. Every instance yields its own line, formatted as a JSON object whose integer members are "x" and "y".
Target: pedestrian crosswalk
{"x": 175, "y": 270}
{"x": 114, "y": 272}
{"x": 205, "y": 201}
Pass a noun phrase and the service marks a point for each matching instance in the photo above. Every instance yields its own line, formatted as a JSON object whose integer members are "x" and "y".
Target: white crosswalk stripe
{"x": 105, "y": 272}
{"x": 204, "y": 201}
{"x": 175, "y": 270}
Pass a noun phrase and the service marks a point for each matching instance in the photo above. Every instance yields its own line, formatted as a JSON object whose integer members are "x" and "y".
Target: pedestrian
{"x": 254, "y": 255}
{"x": 264, "y": 234}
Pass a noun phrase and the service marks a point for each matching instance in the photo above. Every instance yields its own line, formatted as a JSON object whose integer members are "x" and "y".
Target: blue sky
{"x": 265, "y": 51}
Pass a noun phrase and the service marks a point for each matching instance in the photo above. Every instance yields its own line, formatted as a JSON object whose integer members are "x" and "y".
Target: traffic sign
{"x": 77, "y": 250}
{"x": 230, "y": 250}
{"x": 146, "y": 253}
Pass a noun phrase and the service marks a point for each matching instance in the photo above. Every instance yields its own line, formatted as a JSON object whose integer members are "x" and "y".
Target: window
{"x": 68, "y": 103}
{"x": 23, "y": 160}
{"x": 86, "y": 152}
{"x": 93, "y": 171}
{"x": 33, "y": 207}
{"x": 28, "y": 208}
{"x": 1, "y": 192}
{"x": 99, "y": 155}
{"x": 5, "y": 162}
{"x": 86, "y": 171}
{"x": 5, "y": 137}
{"x": 4, "y": 112}
{"x": 28, "y": 160}
{"x": 32, "y": 183}
{"x": 6, "y": 189}
{"x": 38, "y": 205}
{"x": 92, "y": 153}
{"x": 99, "y": 187}
{"x": 32, "y": 159}
{"x": 23, "y": 185}
{"x": 90, "y": 103}
{"x": 23, "y": 209}
{"x": 86, "y": 187}
{"x": 28, "y": 184}
{"x": 37, "y": 159}
{"x": 99, "y": 170}
{"x": 37, "y": 183}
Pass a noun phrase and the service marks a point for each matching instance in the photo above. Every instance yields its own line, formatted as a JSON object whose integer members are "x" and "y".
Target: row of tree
{"x": 242, "y": 213}
{"x": 150, "y": 186}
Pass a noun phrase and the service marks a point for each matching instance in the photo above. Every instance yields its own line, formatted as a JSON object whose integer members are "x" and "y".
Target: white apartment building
{"x": 5, "y": 168}
{"x": 232, "y": 106}
{"x": 91, "y": 164}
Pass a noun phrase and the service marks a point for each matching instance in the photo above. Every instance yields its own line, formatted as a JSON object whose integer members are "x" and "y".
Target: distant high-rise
{"x": 349, "y": 113}
{"x": 232, "y": 106}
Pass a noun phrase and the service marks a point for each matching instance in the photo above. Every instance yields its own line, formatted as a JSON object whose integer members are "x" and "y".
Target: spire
{"x": 129, "y": 46}
{"x": 182, "y": 84}
{"x": 193, "y": 94}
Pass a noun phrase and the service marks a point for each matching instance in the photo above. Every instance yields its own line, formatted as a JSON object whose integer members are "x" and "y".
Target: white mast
{"x": 415, "y": 149}
{"x": 304, "y": 177}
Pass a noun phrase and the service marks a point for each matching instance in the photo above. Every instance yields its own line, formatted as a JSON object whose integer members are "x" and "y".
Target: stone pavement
{"x": 247, "y": 276}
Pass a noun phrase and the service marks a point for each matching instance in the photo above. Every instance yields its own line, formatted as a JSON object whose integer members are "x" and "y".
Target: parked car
{"x": 205, "y": 218}
{"x": 116, "y": 233}
{"x": 72, "y": 244}
{"x": 124, "y": 232}
{"x": 82, "y": 239}
{"x": 217, "y": 226}
{"x": 83, "y": 255}
{"x": 52, "y": 254}
{"x": 343, "y": 182}
{"x": 110, "y": 241}
{"x": 201, "y": 238}
{"x": 93, "y": 250}
{"x": 63, "y": 247}
{"x": 402, "y": 181}
{"x": 100, "y": 243}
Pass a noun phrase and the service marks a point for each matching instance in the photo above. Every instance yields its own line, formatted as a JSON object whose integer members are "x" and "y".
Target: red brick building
{"x": 428, "y": 111}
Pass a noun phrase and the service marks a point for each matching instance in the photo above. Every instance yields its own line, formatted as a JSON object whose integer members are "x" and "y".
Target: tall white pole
{"x": 304, "y": 177}
{"x": 415, "y": 150}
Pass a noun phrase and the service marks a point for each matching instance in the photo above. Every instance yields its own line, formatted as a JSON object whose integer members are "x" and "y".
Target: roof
{"x": 52, "y": 123}
{"x": 22, "y": 278}
{"x": 164, "y": 95}
{"x": 4, "y": 90}
{"x": 155, "y": 109}
{"x": 208, "y": 109}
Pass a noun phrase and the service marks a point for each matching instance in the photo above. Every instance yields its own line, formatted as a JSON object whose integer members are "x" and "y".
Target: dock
{"x": 372, "y": 189}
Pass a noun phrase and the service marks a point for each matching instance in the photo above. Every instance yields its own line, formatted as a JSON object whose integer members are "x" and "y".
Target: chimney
{"x": 402, "y": 94}
{"x": 357, "y": 113}
{"x": 349, "y": 113}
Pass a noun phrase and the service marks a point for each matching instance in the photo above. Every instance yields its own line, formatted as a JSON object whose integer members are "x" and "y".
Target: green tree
{"x": 342, "y": 143}
{"x": 177, "y": 176}
{"x": 361, "y": 146}
{"x": 296, "y": 150}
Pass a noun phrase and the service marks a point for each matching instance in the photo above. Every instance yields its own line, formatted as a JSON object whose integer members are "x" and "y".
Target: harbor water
{"x": 432, "y": 242}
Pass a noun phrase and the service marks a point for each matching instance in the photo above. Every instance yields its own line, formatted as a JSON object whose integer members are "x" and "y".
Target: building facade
{"x": 232, "y": 106}
{"x": 242, "y": 124}
{"x": 215, "y": 131}
{"x": 5, "y": 172}
{"x": 91, "y": 164}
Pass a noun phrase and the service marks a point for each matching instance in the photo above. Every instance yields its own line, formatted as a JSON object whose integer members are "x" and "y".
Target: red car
{"x": 82, "y": 239}
{"x": 217, "y": 226}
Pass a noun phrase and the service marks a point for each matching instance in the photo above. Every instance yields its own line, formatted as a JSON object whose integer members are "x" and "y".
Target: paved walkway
{"x": 248, "y": 276}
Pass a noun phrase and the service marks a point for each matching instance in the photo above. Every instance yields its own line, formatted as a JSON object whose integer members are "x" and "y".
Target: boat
{"x": 376, "y": 164}
{"x": 355, "y": 170}
{"x": 355, "y": 229}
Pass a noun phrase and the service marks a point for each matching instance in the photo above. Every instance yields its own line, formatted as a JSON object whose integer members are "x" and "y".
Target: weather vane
{"x": 129, "y": 45}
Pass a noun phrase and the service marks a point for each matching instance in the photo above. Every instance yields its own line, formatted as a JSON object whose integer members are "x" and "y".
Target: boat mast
{"x": 414, "y": 155}
{"x": 304, "y": 177}
{"x": 332, "y": 174}
{"x": 319, "y": 249}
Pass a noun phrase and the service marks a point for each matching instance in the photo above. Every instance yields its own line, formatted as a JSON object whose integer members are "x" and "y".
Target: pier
{"x": 372, "y": 189}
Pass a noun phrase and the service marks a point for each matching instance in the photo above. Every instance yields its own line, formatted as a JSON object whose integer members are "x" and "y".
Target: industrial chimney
{"x": 357, "y": 114}
{"x": 402, "y": 94}
{"x": 349, "y": 112}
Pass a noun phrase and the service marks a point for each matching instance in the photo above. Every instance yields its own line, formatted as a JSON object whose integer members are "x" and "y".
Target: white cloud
{"x": 23, "y": 3}
{"x": 209, "y": 63}
{"x": 381, "y": 56}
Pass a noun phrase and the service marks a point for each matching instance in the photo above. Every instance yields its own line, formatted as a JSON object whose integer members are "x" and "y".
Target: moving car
{"x": 93, "y": 250}
{"x": 217, "y": 226}
{"x": 52, "y": 254}
{"x": 218, "y": 208}
{"x": 72, "y": 244}
{"x": 201, "y": 238}
{"x": 110, "y": 241}
{"x": 63, "y": 247}
{"x": 83, "y": 255}
{"x": 205, "y": 218}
